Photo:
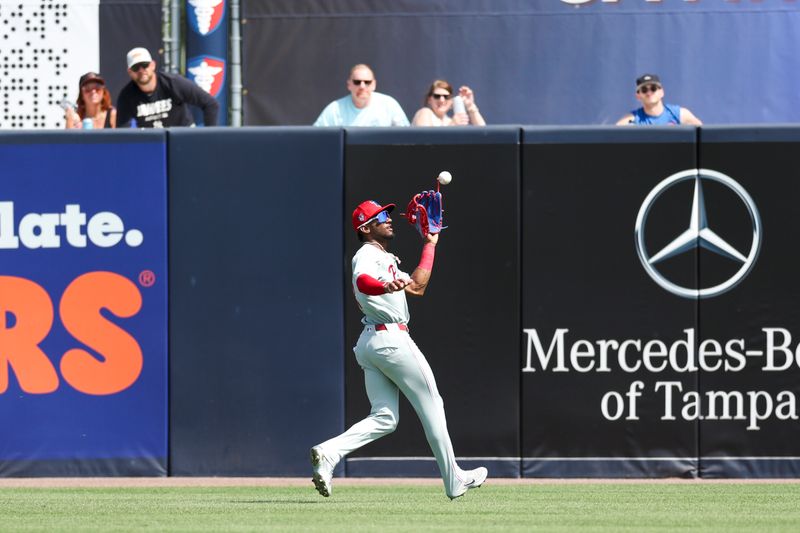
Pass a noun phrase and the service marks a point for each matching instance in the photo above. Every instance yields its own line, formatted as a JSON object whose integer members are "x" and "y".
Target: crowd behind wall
{"x": 551, "y": 62}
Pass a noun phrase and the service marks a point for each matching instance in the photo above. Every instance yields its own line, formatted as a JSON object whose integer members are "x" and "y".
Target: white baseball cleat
{"x": 475, "y": 478}
{"x": 323, "y": 471}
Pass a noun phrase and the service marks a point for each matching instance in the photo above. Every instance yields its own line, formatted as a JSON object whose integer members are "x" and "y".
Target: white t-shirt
{"x": 383, "y": 110}
{"x": 427, "y": 113}
{"x": 381, "y": 265}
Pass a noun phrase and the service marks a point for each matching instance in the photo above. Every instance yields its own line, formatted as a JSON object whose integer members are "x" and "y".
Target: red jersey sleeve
{"x": 369, "y": 285}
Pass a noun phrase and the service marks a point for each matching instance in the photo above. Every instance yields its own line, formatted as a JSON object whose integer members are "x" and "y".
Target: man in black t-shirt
{"x": 157, "y": 99}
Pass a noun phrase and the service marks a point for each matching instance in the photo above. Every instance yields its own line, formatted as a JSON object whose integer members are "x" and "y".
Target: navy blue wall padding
{"x": 256, "y": 300}
{"x": 608, "y": 134}
{"x": 750, "y": 134}
{"x": 433, "y": 136}
{"x": 257, "y": 289}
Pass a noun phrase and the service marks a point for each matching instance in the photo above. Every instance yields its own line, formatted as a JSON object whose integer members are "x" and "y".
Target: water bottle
{"x": 133, "y": 123}
{"x": 69, "y": 109}
{"x": 66, "y": 104}
{"x": 458, "y": 105}
{"x": 88, "y": 124}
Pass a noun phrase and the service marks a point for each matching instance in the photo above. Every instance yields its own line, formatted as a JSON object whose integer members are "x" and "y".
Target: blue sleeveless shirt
{"x": 671, "y": 115}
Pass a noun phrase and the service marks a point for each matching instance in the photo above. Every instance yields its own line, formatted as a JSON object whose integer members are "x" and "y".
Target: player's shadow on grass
{"x": 281, "y": 501}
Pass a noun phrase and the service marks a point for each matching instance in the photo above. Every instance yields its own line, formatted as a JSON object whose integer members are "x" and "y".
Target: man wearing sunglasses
{"x": 654, "y": 111}
{"x": 159, "y": 100}
{"x": 364, "y": 106}
{"x": 391, "y": 361}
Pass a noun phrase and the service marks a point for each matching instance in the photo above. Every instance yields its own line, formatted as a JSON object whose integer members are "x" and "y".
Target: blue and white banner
{"x": 83, "y": 305}
{"x": 207, "y": 51}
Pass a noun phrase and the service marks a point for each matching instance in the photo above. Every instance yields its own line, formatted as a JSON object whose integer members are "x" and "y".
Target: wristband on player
{"x": 426, "y": 261}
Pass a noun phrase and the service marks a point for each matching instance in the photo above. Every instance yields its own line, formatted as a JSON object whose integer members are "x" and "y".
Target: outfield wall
{"x": 179, "y": 303}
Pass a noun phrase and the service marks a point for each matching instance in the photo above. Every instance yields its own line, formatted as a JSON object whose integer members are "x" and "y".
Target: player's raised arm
{"x": 422, "y": 274}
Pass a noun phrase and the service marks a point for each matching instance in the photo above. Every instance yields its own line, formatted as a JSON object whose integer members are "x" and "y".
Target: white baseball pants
{"x": 392, "y": 363}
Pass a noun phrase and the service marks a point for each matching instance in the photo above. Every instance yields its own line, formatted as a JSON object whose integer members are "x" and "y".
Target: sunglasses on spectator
{"x": 359, "y": 82}
{"x": 92, "y": 88}
{"x": 648, "y": 89}
{"x": 437, "y": 96}
{"x": 381, "y": 217}
{"x": 139, "y": 66}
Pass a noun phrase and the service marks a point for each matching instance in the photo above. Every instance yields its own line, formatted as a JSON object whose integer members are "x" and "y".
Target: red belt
{"x": 382, "y": 327}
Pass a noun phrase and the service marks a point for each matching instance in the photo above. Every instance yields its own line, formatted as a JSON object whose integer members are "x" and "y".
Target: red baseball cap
{"x": 367, "y": 210}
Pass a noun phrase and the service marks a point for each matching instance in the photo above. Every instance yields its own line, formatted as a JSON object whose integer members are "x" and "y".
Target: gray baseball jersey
{"x": 374, "y": 261}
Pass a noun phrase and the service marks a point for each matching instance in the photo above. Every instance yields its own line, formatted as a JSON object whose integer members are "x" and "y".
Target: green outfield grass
{"x": 506, "y": 508}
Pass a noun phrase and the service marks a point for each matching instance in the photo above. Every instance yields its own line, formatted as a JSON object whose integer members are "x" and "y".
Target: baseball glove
{"x": 425, "y": 212}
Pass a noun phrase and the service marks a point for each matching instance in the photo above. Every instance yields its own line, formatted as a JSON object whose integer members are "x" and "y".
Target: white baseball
{"x": 444, "y": 177}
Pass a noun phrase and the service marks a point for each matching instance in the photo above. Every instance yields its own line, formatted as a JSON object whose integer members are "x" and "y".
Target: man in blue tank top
{"x": 654, "y": 111}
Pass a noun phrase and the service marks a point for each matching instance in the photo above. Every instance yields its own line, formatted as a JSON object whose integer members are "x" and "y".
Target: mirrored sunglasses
{"x": 381, "y": 217}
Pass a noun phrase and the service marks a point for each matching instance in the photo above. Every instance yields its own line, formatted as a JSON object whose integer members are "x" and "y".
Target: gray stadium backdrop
{"x": 544, "y": 62}
{"x": 529, "y": 62}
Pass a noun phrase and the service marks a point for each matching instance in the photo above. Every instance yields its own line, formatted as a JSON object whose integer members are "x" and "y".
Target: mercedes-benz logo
{"x": 698, "y": 234}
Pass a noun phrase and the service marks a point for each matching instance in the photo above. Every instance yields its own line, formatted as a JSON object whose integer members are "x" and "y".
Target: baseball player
{"x": 389, "y": 357}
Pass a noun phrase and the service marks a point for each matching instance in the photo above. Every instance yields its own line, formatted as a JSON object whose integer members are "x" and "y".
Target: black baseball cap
{"x": 91, "y": 77}
{"x": 647, "y": 78}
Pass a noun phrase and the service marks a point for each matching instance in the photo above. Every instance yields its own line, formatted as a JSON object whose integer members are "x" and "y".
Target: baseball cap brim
{"x": 648, "y": 79}
{"x": 656, "y": 83}
{"x": 89, "y": 78}
{"x": 138, "y": 55}
{"x": 388, "y": 208}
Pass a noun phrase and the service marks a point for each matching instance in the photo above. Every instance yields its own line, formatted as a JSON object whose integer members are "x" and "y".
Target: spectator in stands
{"x": 439, "y": 101}
{"x": 654, "y": 111}
{"x": 157, "y": 99}
{"x": 94, "y": 102}
{"x": 364, "y": 106}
